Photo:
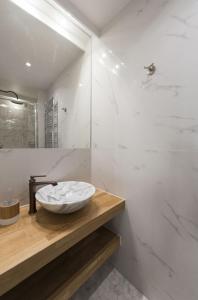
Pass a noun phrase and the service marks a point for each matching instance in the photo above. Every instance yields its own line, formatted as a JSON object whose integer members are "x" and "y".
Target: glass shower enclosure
{"x": 18, "y": 123}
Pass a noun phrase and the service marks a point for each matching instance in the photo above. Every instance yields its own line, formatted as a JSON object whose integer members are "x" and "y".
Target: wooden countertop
{"x": 34, "y": 241}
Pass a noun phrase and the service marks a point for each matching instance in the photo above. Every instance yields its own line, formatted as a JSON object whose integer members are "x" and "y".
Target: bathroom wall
{"x": 72, "y": 91}
{"x": 58, "y": 164}
{"x": 145, "y": 142}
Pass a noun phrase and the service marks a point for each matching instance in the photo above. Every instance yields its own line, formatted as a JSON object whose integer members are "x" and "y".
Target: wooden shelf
{"x": 34, "y": 241}
{"x": 63, "y": 276}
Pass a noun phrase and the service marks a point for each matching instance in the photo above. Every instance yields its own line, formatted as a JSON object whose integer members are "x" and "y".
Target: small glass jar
{"x": 9, "y": 212}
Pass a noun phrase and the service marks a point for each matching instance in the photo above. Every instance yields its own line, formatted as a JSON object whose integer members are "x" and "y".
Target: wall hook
{"x": 151, "y": 69}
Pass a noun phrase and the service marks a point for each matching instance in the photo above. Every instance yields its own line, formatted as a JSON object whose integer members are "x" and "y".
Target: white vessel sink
{"x": 65, "y": 197}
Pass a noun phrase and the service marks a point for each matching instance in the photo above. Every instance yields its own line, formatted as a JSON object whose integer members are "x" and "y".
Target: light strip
{"x": 51, "y": 14}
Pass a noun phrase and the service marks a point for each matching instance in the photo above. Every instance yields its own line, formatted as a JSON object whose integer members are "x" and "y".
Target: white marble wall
{"x": 145, "y": 142}
{"x": 16, "y": 166}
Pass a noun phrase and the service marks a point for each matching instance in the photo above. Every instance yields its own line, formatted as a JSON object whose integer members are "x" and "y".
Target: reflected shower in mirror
{"x": 45, "y": 78}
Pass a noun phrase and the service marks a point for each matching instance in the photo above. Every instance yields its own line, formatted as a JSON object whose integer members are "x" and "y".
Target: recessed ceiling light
{"x": 28, "y": 64}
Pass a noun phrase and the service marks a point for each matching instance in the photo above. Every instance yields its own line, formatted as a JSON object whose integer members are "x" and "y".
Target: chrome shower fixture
{"x": 151, "y": 69}
{"x": 17, "y": 101}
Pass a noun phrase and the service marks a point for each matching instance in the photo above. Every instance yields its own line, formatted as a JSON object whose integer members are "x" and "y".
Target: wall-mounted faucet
{"x": 32, "y": 191}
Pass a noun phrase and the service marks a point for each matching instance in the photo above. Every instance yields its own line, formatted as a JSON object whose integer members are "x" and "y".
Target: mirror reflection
{"x": 45, "y": 84}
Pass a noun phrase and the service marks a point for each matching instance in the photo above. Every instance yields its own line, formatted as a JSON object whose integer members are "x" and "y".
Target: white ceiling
{"x": 98, "y": 12}
{"x": 22, "y": 39}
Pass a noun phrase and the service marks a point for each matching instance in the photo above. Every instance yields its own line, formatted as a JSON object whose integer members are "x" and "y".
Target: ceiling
{"x": 24, "y": 38}
{"x": 98, "y": 12}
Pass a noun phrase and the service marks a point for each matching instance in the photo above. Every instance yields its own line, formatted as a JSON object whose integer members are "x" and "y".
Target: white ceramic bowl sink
{"x": 66, "y": 197}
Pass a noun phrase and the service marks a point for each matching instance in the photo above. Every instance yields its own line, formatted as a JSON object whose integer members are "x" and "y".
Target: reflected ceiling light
{"x": 28, "y": 64}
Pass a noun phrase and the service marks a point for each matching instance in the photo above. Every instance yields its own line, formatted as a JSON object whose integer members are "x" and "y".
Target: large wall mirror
{"x": 45, "y": 77}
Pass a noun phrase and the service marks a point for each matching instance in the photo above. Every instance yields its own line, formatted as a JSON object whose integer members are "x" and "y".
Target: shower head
{"x": 17, "y": 101}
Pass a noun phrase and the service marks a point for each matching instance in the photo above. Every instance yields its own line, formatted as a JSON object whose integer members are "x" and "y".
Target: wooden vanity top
{"x": 34, "y": 241}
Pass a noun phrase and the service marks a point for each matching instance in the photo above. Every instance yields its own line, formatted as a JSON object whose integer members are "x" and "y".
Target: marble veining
{"x": 183, "y": 223}
{"x": 65, "y": 197}
{"x": 185, "y": 20}
{"x": 59, "y": 160}
{"x": 178, "y": 35}
{"x": 150, "y": 158}
{"x": 150, "y": 250}
{"x": 174, "y": 227}
{"x": 174, "y": 89}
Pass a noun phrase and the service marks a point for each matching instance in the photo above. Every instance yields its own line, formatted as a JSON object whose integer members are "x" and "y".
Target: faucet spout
{"x": 32, "y": 191}
{"x": 37, "y": 183}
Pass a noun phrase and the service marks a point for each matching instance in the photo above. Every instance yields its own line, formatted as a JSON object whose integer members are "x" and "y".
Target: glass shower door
{"x": 17, "y": 124}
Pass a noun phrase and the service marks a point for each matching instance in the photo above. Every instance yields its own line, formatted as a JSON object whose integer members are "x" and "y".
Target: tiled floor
{"x": 108, "y": 284}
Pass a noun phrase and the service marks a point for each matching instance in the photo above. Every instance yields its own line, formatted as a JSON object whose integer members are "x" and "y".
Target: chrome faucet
{"x": 32, "y": 191}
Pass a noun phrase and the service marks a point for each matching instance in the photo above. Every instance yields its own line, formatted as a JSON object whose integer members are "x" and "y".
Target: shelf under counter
{"x": 35, "y": 241}
{"x": 62, "y": 277}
